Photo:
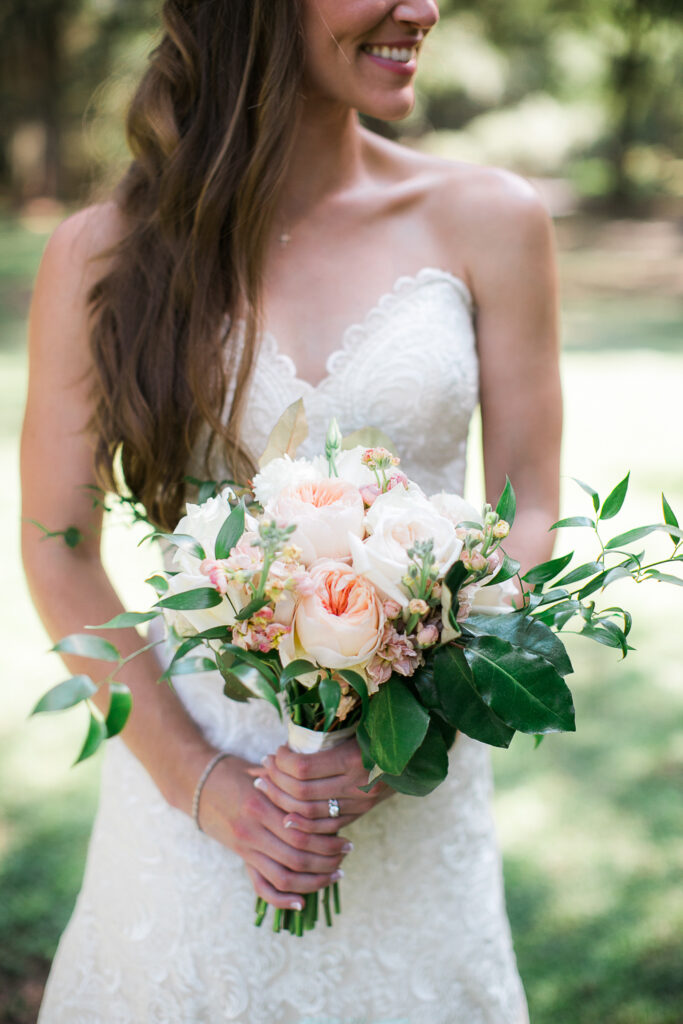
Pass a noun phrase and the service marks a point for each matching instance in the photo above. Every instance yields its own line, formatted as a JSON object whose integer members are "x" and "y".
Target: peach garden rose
{"x": 324, "y": 512}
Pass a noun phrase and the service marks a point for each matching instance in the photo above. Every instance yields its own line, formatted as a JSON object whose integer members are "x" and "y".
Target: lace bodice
{"x": 162, "y": 932}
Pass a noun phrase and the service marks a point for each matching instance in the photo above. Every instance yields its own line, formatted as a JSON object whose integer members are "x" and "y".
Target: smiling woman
{"x": 153, "y": 344}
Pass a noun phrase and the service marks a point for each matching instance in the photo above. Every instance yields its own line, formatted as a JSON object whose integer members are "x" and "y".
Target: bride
{"x": 170, "y": 328}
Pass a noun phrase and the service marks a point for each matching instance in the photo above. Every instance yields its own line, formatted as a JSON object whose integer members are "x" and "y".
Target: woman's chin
{"x": 390, "y": 108}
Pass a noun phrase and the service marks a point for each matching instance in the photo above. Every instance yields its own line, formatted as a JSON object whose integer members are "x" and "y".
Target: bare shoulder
{"x": 76, "y": 252}
{"x": 478, "y": 214}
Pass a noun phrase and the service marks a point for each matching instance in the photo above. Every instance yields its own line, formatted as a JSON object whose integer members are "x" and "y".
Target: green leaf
{"x": 192, "y": 666}
{"x": 455, "y": 577}
{"x": 520, "y": 630}
{"x": 590, "y": 491}
{"x": 602, "y": 635}
{"x": 72, "y": 536}
{"x": 547, "y": 570}
{"x": 296, "y": 668}
{"x": 426, "y": 769}
{"x": 509, "y": 568}
{"x": 230, "y": 532}
{"x": 537, "y": 741}
{"x": 573, "y": 521}
{"x": 357, "y": 683}
{"x": 582, "y": 572}
{"x": 603, "y": 580}
{"x": 127, "y": 619}
{"x": 559, "y": 615}
{"x": 191, "y": 600}
{"x": 233, "y": 687}
{"x": 65, "y": 695}
{"x": 158, "y": 583}
{"x": 251, "y": 658}
{"x": 97, "y": 733}
{"x": 396, "y": 724}
{"x": 183, "y": 541}
{"x": 507, "y": 503}
{"x": 521, "y": 688}
{"x": 330, "y": 695}
{"x": 664, "y": 577}
{"x": 669, "y": 517}
{"x": 85, "y": 646}
{"x": 643, "y": 531}
{"x": 120, "y": 705}
{"x": 614, "y": 500}
{"x": 250, "y": 609}
{"x": 449, "y": 690}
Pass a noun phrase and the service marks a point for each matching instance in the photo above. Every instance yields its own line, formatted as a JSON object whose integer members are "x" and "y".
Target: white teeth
{"x": 401, "y": 55}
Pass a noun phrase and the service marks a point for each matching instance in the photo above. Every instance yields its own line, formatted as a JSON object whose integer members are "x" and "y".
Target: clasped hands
{"x": 281, "y": 825}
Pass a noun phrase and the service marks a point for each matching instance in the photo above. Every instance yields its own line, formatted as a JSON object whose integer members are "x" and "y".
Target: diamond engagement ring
{"x": 333, "y": 806}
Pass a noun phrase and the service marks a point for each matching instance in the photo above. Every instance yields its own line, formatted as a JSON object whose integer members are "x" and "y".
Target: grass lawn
{"x": 590, "y": 824}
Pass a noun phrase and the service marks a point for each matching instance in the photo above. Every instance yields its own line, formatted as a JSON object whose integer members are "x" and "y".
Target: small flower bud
{"x": 427, "y": 636}
{"x": 392, "y": 609}
{"x": 418, "y": 607}
{"x": 474, "y": 561}
{"x": 501, "y": 530}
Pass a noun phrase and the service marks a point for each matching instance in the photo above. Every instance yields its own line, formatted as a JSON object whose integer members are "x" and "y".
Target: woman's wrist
{"x": 183, "y": 773}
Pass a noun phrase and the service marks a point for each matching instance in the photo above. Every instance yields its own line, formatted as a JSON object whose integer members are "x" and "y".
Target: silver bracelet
{"x": 200, "y": 785}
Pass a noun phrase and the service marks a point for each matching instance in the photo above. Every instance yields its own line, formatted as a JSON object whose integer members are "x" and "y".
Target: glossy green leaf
{"x": 547, "y": 570}
{"x": 603, "y": 635}
{"x": 521, "y": 688}
{"x": 450, "y": 691}
{"x": 426, "y": 769}
{"x": 573, "y": 521}
{"x": 582, "y": 572}
{"x": 396, "y": 724}
{"x": 593, "y": 494}
{"x": 72, "y": 536}
{"x": 193, "y": 666}
{"x": 66, "y": 694}
{"x": 558, "y": 615}
{"x": 250, "y": 609}
{"x": 614, "y": 500}
{"x": 183, "y": 541}
{"x": 507, "y": 503}
{"x": 296, "y": 668}
{"x": 191, "y": 600}
{"x": 234, "y": 687}
{"x": 330, "y": 695}
{"x": 669, "y": 517}
{"x": 603, "y": 580}
{"x": 508, "y": 570}
{"x": 251, "y": 658}
{"x": 127, "y": 619}
{"x": 520, "y": 630}
{"x": 97, "y": 733}
{"x": 85, "y": 646}
{"x": 643, "y": 531}
{"x": 455, "y": 576}
{"x": 230, "y": 532}
{"x": 120, "y": 706}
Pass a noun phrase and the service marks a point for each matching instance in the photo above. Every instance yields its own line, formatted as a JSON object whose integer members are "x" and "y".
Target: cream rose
{"x": 324, "y": 512}
{"x": 203, "y": 522}
{"x": 191, "y": 621}
{"x": 396, "y": 520}
{"x": 455, "y": 508}
{"x": 340, "y": 624}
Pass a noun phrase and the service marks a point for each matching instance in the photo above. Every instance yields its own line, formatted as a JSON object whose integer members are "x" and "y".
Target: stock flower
{"x": 394, "y": 654}
{"x": 396, "y": 520}
{"x": 340, "y": 624}
{"x": 325, "y": 512}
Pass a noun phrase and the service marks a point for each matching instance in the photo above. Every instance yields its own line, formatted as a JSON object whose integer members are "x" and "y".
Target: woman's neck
{"x": 327, "y": 159}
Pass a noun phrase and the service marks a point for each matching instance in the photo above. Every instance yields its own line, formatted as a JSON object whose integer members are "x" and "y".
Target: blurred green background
{"x": 586, "y": 98}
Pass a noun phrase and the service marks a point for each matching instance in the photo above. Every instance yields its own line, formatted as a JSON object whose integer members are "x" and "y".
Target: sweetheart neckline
{"x": 360, "y": 330}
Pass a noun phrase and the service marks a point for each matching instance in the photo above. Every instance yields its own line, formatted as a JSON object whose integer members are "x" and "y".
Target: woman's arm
{"x": 70, "y": 588}
{"x": 512, "y": 270}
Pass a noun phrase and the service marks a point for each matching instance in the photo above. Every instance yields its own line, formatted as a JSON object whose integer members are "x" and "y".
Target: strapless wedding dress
{"x": 162, "y": 931}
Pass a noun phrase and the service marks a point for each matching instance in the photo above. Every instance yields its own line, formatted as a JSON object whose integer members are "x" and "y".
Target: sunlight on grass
{"x": 589, "y": 823}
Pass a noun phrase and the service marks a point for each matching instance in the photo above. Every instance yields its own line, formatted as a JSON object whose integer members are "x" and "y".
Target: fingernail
{"x": 289, "y": 824}
{"x": 259, "y": 783}
{"x": 264, "y": 759}
{"x": 347, "y": 847}
{"x": 337, "y": 875}
{"x": 297, "y": 905}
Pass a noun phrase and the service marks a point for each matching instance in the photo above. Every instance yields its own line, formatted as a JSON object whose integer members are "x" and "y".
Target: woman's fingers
{"x": 339, "y": 761}
{"x": 263, "y": 888}
{"x": 300, "y": 789}
{"x": 318, "y": 826}
{"x": 286, "y": 881}
{"x": 309, "y": 808}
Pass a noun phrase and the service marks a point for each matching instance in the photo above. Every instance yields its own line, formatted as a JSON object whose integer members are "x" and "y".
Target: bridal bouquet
{"x": 350, "y": 600}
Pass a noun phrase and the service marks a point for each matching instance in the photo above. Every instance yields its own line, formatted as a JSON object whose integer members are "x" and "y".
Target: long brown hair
{"x": 210, "y": 128}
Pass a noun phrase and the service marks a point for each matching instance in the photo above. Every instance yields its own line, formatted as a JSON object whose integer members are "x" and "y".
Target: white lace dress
{"x": 162, "y": 931}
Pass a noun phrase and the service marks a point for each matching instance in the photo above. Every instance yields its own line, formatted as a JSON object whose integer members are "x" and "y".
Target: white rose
{"x": 455, "y": 508}
{"x": 281, "y": 473}
{"x": 203, "y": 522}
{"x": 325, "y": 512}
{"x": 191, "y": 621}
{"x": 495, "y": 600}
{"x": 396, "y": 520}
